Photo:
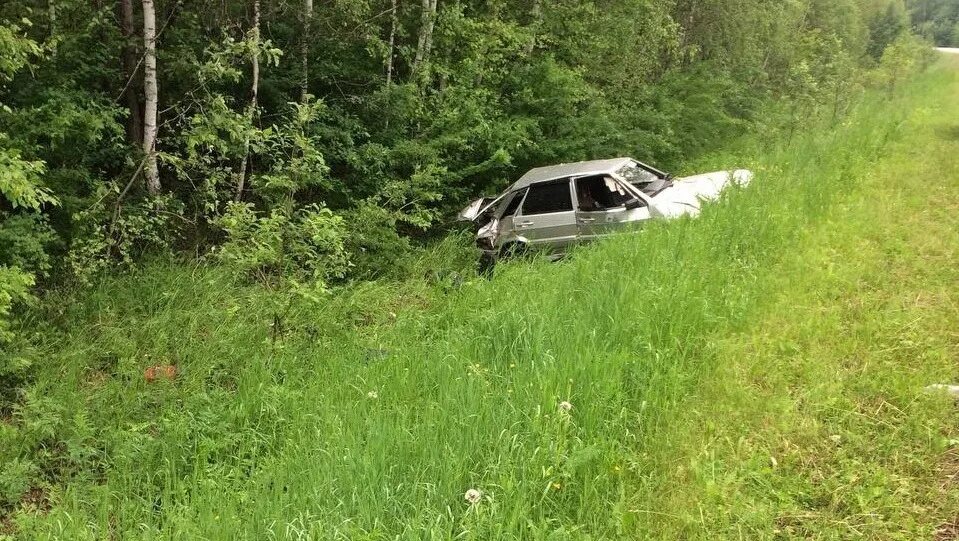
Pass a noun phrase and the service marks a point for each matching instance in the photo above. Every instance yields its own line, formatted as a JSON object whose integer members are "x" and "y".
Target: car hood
{"x": 687, "y": 194}
{"x": 473, "y": 210}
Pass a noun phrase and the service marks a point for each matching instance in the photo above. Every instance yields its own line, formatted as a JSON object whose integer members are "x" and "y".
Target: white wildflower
{"x": 565, "y": 407}
{"x": 372, "y": 395}
{"x": 473, "y": 496}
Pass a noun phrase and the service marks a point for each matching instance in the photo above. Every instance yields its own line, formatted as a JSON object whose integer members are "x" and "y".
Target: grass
{"x": 755, "y": 373}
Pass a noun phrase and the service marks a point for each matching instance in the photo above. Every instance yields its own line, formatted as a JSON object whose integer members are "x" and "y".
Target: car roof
{"x": 566, "y": 170}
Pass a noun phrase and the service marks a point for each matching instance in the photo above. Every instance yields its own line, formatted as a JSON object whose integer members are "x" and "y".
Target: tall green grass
{"x": 368, "y": 415}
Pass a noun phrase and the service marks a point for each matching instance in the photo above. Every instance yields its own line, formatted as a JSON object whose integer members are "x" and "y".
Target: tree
{"x": 305, "y": 49}
{"x": 391, "y": 48}
{"x": 150, "y": 91}
{"x": 886, "y": 27}
{"x": 254, "y": 44}
{"x": 130, "y": 67}
{"x": 425, "y": 42}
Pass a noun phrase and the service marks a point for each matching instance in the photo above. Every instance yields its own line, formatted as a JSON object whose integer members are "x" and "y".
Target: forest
{"x": 325, "y": 143}
{"x": 311, "y": 156}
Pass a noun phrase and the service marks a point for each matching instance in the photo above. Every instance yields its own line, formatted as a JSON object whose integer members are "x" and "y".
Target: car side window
{"x": 548, "y": 198}
{"x": 514, "y": 203}
{"x": 600, "y": 193}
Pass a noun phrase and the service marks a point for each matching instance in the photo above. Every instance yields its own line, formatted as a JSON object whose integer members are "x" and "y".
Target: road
{"x": 951, "y": 50}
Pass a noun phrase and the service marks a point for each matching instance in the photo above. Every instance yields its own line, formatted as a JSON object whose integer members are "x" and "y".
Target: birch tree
{"x": 536, "y": 14}
{"x": 425, "y": 42}
{"x": 254, "y": 90}
{"x": 392, "y": 42}
{"x": 305, "y": 50}
{"x": 150, "y": 91}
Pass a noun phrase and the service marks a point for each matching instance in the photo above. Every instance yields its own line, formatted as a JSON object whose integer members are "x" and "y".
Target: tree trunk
{"x": 429, "y": 30}
{"x": 425, "y": 43}
{"x": 254, "y": 90}
{"x": 305, "y": 49}
{"x": 52, "y": 16}
{"x": 150, "y": 91}
{"x": 129, "y": 58}
{"x": 537, "y": 15}
{"x": 390, "y": 52}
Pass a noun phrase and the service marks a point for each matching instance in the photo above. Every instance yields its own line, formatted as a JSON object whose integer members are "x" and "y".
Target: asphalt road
{"x": 952, "y": 50}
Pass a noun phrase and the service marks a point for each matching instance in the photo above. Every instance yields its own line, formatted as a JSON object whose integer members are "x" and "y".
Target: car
{"x": 554, "y": 207}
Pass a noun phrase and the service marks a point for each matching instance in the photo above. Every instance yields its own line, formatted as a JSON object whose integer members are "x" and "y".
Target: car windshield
{"x": 648, "y": 182}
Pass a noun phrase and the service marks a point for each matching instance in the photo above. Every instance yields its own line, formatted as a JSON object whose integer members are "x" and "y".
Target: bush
{"x": 375, "y": 247}
{"x": 26, "y": 238}
{"x": 901, "y": 60}
{"x": 15, "y": 287}
{"x": 307, "y": 245}
{"x": 107, "y": 236}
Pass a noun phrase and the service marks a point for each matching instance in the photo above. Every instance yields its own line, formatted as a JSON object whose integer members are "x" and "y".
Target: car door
{"x": 605, "y": 206}
{"x": 547, "y": 218}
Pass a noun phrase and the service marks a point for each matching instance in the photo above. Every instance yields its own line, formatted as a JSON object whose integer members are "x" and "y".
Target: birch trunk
{"x": 150, "y": 91}
{"x": 52, "y": 16}
{"x": 305, "y": 49}
{"x": 390, "y": 52}
{"x": 254, "y": 90}
{"x": 429, "y": 30}
{"x": 129, "y": 58}
{"x": 425, "y": 43}
{"x": 537, "y": 15}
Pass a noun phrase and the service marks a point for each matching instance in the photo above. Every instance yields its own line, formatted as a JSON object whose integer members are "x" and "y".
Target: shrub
{"x": 901, "y": 60}
{"x": 108, "y": 236}
{"x": 307, "y": 245}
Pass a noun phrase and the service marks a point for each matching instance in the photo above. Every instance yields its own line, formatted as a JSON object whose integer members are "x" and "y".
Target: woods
{"x": 137, "y": 129}
{"x": 418, "y": 105}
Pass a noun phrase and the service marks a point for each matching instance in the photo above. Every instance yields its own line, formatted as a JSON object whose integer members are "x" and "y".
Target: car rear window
{"x": 546, "y": 198}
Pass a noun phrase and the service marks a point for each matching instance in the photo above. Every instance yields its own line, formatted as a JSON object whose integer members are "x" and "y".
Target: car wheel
{"x": 486, "y": 264}
{"x": 514, "y": 249}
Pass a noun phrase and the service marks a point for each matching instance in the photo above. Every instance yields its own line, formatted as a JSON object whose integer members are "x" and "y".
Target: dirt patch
{"x": 37, "y": 499}
{"x": 949, "y": 469}
{"x": 948, "y": 531}
{"x": 949, "y": 132}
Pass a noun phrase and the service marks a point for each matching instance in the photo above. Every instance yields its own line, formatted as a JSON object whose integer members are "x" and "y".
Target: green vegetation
{"x": 937, "y": 20}
{"x": 350, "y": 131}
{"x": 755, "y": 373}
{"x": 231, "y": 304}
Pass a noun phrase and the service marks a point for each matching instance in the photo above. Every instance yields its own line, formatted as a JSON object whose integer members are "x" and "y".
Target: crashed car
{"x": 559, "y": 205}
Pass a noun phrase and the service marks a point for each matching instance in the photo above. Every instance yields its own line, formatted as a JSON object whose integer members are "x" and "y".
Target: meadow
{"x": 755, "y": 373}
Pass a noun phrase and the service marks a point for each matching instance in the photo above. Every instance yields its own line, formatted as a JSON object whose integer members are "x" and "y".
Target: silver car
{"x": 553, "y": 207}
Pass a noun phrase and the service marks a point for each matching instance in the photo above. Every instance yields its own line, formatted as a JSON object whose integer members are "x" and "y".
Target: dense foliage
{"x": 937, "y": 20}
{"x": 384, "y": 114}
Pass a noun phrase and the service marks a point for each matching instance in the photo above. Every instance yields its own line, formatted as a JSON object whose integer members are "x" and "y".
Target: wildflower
{"x": 473, "y": 496}
{"x": 557, "y": 486}
{"x": 477, "y": 369}
{"x": 836, "y": 438}
{"x": 372, "y": 395}
{"x": 565, "y": 407}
